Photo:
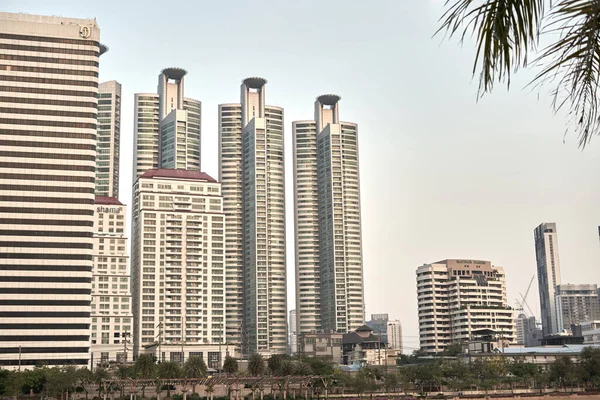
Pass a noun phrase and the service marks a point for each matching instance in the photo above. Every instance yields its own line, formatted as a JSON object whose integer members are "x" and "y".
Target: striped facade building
{"x": 48, "y": 117}
{"x": 328, "y": 240}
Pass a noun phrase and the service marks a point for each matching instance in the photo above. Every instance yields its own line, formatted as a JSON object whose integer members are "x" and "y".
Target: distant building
{"x": 379, "y": 323}
{"x": 524, "y": 325}
{"x": 576, "y": 304}
{"x": 394, "y": 335}
{"x": 548, "y": 272}
{"x": 293, "y": 334}
{"x": 323, "y": 345}
{"x": 362, "y": 347}
{"x": 212, "y": 354}
{"x": 590, "y": 330}
{"x": 456, "y": 297}
{"x": 109, "y": 139}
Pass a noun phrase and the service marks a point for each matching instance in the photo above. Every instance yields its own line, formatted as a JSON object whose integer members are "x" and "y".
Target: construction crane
{"x": 523, "y": 301}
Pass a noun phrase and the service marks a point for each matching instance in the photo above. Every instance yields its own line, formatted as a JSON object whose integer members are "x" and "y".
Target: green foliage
{"x": 145, "y": 366}
{"x": 507, "y": 31}
{"x": 256, "y": 365}
{"x": 230, "y": 365}
{"x": 275, "y": 364}
{"x": 169, "y": 370}
{"x": 195, "y": 367}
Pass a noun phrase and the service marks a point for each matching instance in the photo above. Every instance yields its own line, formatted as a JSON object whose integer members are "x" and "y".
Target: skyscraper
{"x": 177, "y": 258}
{"x": 48, "y": 121}
{"x": 292, "y": 334}
{"x": 167, "y": 126}
{"x": 251, "y": 170}
{"x": 548, "y": 272}
{"x": 394, "y": 335}
{"x": 109, "y": 139}
{"x": 329, "y": 275}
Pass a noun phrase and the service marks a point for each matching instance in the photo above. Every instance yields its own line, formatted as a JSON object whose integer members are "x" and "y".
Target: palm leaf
{"x": 505, "y": 31}
{"x": 574, "y": 62}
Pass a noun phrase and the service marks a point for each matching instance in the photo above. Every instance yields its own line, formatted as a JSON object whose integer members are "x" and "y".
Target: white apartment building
{"x": 177, "y": 259}
{"x": 251, "y": 170}
{"x": 329, "y": 275}
{"x": 292, "y": 334}
{"x": 48, "y": 121}
{"x": 548, "y": 273}
{"x": 459, "y": 297}
{"x": 394, "y": 335}
{"x": 576, "y": 304}
{"x": 109, "y": 139}
{"x": 167, "y": 126}
{"x": 112, "y": 318}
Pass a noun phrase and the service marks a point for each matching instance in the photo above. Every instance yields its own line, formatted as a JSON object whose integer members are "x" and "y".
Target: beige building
{"x": 329, "y": 276}
{"x": 459, "y": 297}
{"x": 548, "y": 273}
{"x": 167, "y": 126}
{"x": 112, "y": 319}
{"x": 251, "y": 170}
{"x": 178, "y": 259}
{"x": 109, "y": 139}
{"x": 48, "y": 128}
{"x": 323, "y": 345}
{"x": 576, "y": 304}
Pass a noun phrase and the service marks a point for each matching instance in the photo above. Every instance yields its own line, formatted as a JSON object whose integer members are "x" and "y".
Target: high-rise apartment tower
{"x": 109, "y": 139}
{"x": 548, "y": 272}
{"x": 251, "y": 170}
{"x": 48, "y": 121}
{"x": 166, "y": 126}
{"x": 329, "y": 274}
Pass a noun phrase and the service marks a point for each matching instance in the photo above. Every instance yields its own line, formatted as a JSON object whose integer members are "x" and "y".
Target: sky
{"x": 442, "y": 174}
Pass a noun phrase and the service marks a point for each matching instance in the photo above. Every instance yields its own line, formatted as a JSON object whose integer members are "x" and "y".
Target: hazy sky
{"x": 441, "y": 175}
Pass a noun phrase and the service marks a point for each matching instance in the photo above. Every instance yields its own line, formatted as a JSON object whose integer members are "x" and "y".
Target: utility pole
{"x": 159, "y": 326}
{"x": 125, "y": 349}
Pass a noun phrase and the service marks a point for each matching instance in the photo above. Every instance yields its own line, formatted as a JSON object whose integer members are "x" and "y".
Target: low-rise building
{"x": 576, "y": 303}
{"x": 323, "y": 345}
{"x": 213, "y": 354}
{"x": 362, "y": 347}
{"x": 590, "y": 330}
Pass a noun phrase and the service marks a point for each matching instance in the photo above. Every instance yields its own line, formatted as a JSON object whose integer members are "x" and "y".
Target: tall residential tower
{"x": 329, "y": 272}
{"x": 548, "y": 272}
{"x": 251, "y": 170}
{"x": 166, "y": 126}
{"x": 48, "y": 121}
{"x": 109, "y": 139}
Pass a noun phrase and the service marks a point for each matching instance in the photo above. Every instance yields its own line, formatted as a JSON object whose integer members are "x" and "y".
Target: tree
{"x": 589, "y": 365}
{"x": 14, "y": 384}
{"x": 84, "y": 377}
{"x": 99, "y": 375}
{"x": 274, "y": 364}
{"x": 508, "y": 32}
{"x": 562, "y": 371}
{"x": 230, "y": 365}
{"x": 169, "y": 370}
{"x": 144, "y": 368}
{"x": 195, "y": 368}
{"x": 256, "y": 365}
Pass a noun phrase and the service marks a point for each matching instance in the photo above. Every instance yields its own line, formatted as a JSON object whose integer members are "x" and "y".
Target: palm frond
{"x": 574, "y": 62}
{"x": 505, "y": 31}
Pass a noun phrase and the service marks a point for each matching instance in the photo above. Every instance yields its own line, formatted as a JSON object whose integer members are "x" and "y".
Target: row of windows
{"x": 10, "y": 232}
{"x": 64, "y": 71}
{"x": 48, "y": 245}
{"x": 35, "y": 90}
{"x": 62, "y": 178}
{"x": 37, "y": 302}
{"x": 47, "y": 81}
{"x": 36, "y": 210}
{"x": 52, "y": 156}
{"x": 43, "y": 361}
{"x": 65, "y": 135}
{"x": 44, "y": 326}
{"x": 56, "y": 113}
{"x": 26, "y": 350}
{"x": 59, "y": 167}
{"x": 60, "y": 222}
{"x": 42, "y": 256}
{"x": 63, "y": 279}
{"x": 35, "y": 122}
{"x": 51, "y": 60}
{"x": 42, "y": 49}
{"x": 53, "y": 268}
{"x": 81, "y": 42}
{"x": 26, "y": 290}
{"x": 45, "y": 338}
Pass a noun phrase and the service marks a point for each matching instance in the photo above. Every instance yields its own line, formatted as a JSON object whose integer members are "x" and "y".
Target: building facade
{"x": 457, "y": 298}
{"x": 324, "y": 345}
{"x": 109, "y": 139}
{"x": 379, "y": 324}
{"x": 251, "y": 170}
{"x": 329, "y": 276}
{"x": 293, "y": 334}
{"x": 112, "y": 319}
{"x": 394, "y": 335}
{"x": 167, "y": 126}
{"x": 548, "y": 272}
{"x": 177, "y": 257}
{"x": 48, "y": 121}
{"x": 576, "y": 304}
